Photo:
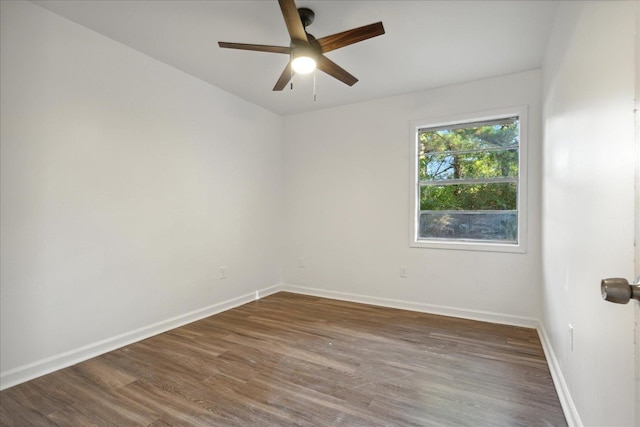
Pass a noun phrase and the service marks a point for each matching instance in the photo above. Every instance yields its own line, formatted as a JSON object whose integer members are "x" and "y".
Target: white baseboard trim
{"x": 568, "y": 407}
{"x": 484, "y": 316}
{"x": 45, "y": 366}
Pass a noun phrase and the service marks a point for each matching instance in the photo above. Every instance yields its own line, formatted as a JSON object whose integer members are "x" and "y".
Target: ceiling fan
{"x": 305, "y": 51}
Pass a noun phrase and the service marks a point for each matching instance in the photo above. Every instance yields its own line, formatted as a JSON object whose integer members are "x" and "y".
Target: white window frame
{"x": 520, "y": 247}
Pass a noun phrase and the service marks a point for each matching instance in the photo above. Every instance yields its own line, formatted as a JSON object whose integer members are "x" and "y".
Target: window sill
{"x": 468, "y": 246}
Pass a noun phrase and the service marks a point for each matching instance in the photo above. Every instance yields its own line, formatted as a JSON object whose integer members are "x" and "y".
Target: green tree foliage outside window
{"x": 468, "y": 181}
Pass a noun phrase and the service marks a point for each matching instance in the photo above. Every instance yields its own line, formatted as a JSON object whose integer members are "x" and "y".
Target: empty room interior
{"x": 434, "y": 224}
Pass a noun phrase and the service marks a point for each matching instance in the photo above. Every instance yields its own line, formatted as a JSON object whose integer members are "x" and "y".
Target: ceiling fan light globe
{"x": 303, "y": 64}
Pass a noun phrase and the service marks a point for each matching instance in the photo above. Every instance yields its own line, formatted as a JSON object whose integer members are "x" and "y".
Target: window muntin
{"x": 467, "y": 183}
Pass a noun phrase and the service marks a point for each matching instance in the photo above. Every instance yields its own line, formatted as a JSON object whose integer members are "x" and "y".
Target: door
{"x": 637, "y": 216}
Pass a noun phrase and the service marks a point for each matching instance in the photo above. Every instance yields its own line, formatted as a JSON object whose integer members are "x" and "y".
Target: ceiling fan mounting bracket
{"x": 306, "y": 16}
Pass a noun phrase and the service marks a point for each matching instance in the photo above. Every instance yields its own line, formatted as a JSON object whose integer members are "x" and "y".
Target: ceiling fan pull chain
{"x": 314, "y": 85}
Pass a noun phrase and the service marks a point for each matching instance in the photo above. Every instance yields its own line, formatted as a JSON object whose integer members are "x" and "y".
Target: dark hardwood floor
{"x": 289, "y": 359}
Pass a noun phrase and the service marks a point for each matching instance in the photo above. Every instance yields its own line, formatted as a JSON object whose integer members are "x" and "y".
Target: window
{"x": 468, "y": 183}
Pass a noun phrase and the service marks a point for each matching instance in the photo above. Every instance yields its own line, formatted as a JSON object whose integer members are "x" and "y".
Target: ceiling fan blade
{"x": 348, "y": 37}
{"x": 334, "y": 70}
{"x": 257, "y": 47}
{"x": 284, "y": 77}
{"x": 293, "y": 21}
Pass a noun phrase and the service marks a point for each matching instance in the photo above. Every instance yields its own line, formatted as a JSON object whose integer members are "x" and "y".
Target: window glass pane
{"x": 468, "y": 183}
{"x": 473, "y": 136}
{"x": 499, "y": 226}
{"x": 483, "y": 164}
{"x": 484, "y": 196}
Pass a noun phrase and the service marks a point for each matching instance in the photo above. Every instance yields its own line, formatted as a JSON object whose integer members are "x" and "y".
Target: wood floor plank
{"x": 291, "y": 359}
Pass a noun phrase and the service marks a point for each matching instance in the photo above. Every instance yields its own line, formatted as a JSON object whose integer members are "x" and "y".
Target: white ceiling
{"x": 427, "y": 44}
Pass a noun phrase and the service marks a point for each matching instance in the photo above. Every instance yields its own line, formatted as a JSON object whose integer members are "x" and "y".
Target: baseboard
{"x": 36, "y": 369}
{"x": 568, "y": 407}
{"x": 484, "y": 316}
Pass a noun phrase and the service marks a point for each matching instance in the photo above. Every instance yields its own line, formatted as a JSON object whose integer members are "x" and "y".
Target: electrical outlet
{"x": 301, "y": 262}
{"x": 403, "y": 272}
{"x": 223, "y": 273}
{"x": 570, "y": 337}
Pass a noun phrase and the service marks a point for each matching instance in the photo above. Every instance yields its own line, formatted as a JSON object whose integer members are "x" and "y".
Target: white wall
{"x": 588, "y": 205}
{"x": 126, "y": 184}
{"x": 347, "y": 207}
